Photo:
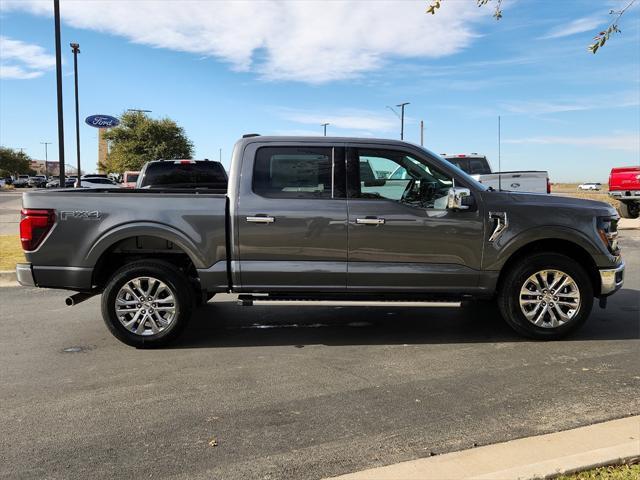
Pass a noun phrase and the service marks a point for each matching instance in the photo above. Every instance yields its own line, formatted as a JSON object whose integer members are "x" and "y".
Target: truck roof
{"x": 322, "y": 139}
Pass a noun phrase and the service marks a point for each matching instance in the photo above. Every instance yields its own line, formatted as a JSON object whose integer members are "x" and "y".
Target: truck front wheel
{"x": 629, "y": 209}
{"x": 545, "y": 296}
{"x": 147, "y": 303}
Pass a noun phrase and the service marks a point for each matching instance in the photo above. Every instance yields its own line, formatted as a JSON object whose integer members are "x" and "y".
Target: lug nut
{"x": 138, "y": 305}
{"x": 153, "y": 305}
{"x": 144, "y": 311}
{"x": 544, "y": 304}
{"x": 555, "y": 298}
{"x": 539, "y": 297}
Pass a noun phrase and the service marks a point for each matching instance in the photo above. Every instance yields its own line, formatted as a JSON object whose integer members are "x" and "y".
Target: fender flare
{"x": 544, "y": 233}
{"x": 147, "y": 229}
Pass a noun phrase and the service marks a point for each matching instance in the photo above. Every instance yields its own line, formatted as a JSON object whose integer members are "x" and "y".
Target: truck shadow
{"x": 225, "y": 324}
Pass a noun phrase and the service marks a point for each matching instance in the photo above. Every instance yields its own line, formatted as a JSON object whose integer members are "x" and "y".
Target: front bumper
{"x": 611, "y": 279}
{"x": 24, "y": 274}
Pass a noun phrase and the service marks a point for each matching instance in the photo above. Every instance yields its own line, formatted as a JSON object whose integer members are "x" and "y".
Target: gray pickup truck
{"x": 323, "y": 218}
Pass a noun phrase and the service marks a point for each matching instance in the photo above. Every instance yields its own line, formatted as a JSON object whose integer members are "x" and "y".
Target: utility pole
{"x": 46, "y": 157}
{"x": 324, "y": 125}
{"x": 499, "y": 158}
{"x": 422, "y": 133}
{"x": 75, "y": 48}
{"x": 56, "y": 21}
{"x": 402, "y": 105}
{"x": 220, "y": 156}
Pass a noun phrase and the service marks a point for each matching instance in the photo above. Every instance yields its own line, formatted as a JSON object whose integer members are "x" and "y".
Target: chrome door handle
{"x": 260, "y": 219}
{"x": 370, "y": 221}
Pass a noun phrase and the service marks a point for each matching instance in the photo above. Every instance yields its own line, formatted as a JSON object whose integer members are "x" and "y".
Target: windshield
{"x": 206, "y": 174}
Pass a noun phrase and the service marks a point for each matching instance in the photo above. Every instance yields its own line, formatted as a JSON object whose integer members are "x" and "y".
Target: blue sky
{"x": 222, "y": 69}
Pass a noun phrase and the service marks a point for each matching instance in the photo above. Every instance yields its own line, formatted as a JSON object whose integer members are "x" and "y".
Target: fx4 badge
{"x": 80, "y": 214}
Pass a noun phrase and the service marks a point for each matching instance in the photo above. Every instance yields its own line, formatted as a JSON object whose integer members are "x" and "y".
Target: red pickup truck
{"x": 624, "y": 185}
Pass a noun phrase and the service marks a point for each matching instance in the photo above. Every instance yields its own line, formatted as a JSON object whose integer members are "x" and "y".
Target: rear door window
{"x": 293, "y": 172}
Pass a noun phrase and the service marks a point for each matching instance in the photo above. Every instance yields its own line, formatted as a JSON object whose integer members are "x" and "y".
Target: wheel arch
{"x": 561, "y": 246}
{"x": 143, "y": 241}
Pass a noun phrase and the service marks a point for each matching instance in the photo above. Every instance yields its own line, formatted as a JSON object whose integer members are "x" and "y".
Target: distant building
{"x": 54, "y": 168}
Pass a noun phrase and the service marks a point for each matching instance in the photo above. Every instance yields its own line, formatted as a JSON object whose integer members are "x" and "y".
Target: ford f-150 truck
{"x": 531, "y": 181}
{"x": 624, "y": 185}
{"x": 322, "y": 218}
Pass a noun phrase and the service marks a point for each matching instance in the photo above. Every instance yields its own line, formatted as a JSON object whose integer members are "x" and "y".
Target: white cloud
{"x": 20, "y": 60}
{"x": 626, "y": 142}
{"x": 619, "y": 100}
{"x": 363, "y": 121}
{"x": 579, "y": 25}
{"x": 307, "y": 41}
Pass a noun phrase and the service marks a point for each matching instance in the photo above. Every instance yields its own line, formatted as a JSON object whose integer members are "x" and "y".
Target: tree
{"x": 599, "y": 40}
{"x": 139, "y": 139}
{"x": 13, "y": 162}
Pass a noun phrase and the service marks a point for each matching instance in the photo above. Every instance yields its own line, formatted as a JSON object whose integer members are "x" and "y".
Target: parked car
{"x": 200, "y": 174}
{"x": 21, "y": 181}
{"x": 54, "y": 182}
{"x": 624, "y": 185}
{"x": 298, "y": 221}
{"x": 129, "y": 179}
{"x": 6, "y": 181}
{"x": 96, "y": 182}
{"x": 37, "y": 181}
{"x": 534, "y": 181}
{"x": 590, "y": 186}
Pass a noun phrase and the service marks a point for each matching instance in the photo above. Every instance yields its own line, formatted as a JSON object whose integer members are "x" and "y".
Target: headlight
{"x": 608, "y": 232}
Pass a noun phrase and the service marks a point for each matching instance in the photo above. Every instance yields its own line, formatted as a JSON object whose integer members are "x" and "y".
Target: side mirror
{"x": 458, "y": 198}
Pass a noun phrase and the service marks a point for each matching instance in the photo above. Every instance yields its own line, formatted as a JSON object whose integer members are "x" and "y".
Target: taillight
{"x": 548, "y": 185}
{"x": 34, "y": 226}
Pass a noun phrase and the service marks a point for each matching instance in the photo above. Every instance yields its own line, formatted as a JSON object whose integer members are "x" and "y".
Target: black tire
{"x": 629, "y": 209}
{"x": 514, "y": 280}
{"x": 182, "y": 303}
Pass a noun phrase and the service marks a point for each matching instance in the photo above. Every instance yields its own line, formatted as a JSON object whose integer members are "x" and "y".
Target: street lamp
{"x": 56, "y": 22}
{"x": 324, "y": 125}
{"x": 46, "y": 157}
{"x": 402, "y": 105}
{"x": 75, "y": 48}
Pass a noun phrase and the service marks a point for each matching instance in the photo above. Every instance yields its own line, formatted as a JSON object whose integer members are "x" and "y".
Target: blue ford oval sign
{"x": 101, "y": 121}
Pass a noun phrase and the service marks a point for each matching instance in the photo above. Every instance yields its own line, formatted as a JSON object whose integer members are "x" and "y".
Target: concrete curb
{"x": 8, "y": 278}
{"x": 543, "y": 456}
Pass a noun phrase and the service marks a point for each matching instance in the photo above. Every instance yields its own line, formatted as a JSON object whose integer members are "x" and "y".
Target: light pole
{"x": 46, "y": 157}
{"x": 402, "y": 105}
{"x": 324, "y": 125}
{"x": 75, "y": 48}
{"x": 56, "y": 21}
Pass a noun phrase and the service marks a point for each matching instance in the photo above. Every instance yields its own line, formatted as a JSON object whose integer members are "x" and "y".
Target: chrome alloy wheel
{"x": 145, "y": 306}
{"x": 549, "y": 298}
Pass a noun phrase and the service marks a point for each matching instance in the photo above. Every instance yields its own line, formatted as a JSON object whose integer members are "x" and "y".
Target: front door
{"x": 292, "y": 220}
{"x": 402, "y": 237}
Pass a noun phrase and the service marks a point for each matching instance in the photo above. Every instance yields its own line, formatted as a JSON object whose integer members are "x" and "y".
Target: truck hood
{"x": 581, "y": 206}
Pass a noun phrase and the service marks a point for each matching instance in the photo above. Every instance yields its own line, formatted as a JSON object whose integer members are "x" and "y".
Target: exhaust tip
{"x": 69, "y": 301}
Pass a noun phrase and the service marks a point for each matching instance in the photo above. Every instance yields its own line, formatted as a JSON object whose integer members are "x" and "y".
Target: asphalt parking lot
{"x": 306, "y": 392}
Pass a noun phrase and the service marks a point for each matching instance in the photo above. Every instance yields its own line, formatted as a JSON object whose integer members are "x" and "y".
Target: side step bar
{"x": 366, "y": 300}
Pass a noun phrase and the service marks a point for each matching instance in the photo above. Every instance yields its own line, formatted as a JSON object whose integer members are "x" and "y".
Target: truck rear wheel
{"x": 546, "y": 296}
{"x": 147, "y": 303}
{"x": 629, "y": 209}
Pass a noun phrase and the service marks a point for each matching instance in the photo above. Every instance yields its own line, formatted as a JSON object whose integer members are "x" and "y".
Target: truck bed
{"x": 90, "y": 223}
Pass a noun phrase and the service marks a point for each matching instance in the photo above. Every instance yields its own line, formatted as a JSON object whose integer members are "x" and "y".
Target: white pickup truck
{"x": 533, "y": 181}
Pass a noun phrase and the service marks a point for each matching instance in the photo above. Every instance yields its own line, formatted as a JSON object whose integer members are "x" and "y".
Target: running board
{"x": 331, "y": 301}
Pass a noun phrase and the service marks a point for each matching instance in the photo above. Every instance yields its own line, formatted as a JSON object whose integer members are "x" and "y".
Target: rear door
{"x": 291, "y": 218}
{"x": 402, "y": 238}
